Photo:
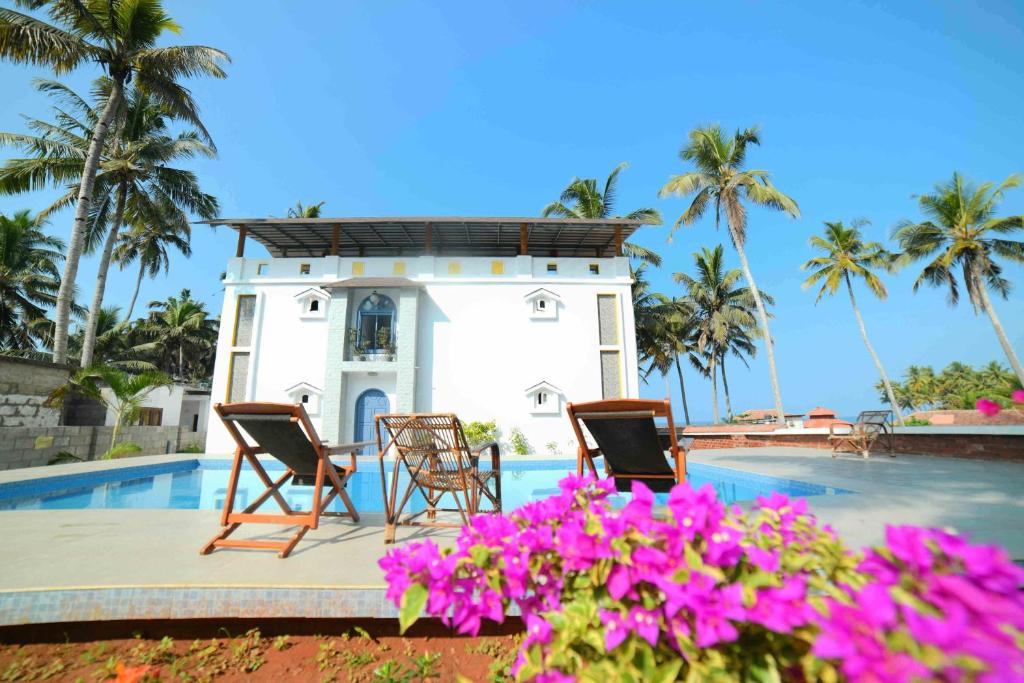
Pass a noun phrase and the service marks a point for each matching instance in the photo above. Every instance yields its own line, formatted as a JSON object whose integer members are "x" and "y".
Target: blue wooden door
{"x": 371, "y": 402}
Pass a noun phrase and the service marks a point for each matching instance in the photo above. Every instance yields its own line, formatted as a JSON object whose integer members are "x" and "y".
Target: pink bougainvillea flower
{"x": 1018, "y": 396}
{"x": 616, "y": 629}
{"x": 987, "y": 407}
{"x": 538, "y": 630}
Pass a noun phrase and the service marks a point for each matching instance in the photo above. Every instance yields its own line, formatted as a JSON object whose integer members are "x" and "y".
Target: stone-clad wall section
{"x": 24, "y": 386}
{"x": 35, "y": 446}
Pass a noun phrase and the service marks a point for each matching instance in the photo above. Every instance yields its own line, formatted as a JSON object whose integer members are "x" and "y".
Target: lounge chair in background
{"x": 860, "y": 436}
{"x": 432, "y": 448}
{"x": 283, "y": 431}
{"x": 627, "y": 436}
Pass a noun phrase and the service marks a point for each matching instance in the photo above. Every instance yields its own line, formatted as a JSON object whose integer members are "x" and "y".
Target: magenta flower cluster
{"x": 702, "y": 589}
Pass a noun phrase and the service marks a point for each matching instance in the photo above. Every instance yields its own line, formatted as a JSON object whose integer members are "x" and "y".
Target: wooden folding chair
{"x": 283, "y": 431}
{"x": 432, "y": 448}
{"x": 860, "y": 436}
{"x": 627, "y": 436}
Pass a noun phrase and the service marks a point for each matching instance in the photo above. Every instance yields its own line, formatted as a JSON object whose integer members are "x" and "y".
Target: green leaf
{"x": 413, "y": 601}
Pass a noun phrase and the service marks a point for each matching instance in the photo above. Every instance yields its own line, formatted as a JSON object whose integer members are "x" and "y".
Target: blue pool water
{"x": 195, "y": 485}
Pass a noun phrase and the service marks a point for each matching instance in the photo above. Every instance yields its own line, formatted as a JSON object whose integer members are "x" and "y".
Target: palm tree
{"x": 121, "y": 36}
{"x": 300, "y": 211}
{"x": 961, "y": 232}
{"x": 721, "y": 181}
{"x": 29, "y": 280}
{"x": 180, "y": 329}
{"x": 582, "y": 199}
{"x": 723, "y": 320}
{"x": 846, "y": 256}
{"x": 663, "y": 332}
{"x": 125, "y": 394}
{"x": 148, "y": 241}
{"x": 116, "y": 342}
{"x": 135, "y": 173}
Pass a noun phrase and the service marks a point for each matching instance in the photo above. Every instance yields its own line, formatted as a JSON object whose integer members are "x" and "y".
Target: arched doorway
{"x": 371, "y": 402}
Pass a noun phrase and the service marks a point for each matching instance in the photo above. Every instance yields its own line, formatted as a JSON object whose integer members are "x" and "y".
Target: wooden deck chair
{"x": 432, "y": 448}
{"x": 860, "y": 436}
{"x": 627, "y": 437}
{"x": 283, "y": 431}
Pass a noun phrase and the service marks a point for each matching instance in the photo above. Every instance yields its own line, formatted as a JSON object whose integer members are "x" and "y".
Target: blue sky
{"x": 391, "y": 108}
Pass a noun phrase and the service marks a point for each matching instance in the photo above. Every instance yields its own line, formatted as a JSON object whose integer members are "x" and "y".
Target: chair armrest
{"x": 844, "y": 425}
{"x": 477, "y": 449}
{"x": 343, "y": 448}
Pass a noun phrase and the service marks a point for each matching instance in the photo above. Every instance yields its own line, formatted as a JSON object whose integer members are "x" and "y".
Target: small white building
{"x": 176, "y": 405}
{"x": 502, "y": 319}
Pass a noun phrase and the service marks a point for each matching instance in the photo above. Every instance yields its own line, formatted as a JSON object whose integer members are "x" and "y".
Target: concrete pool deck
{"x": 75, "y": 565}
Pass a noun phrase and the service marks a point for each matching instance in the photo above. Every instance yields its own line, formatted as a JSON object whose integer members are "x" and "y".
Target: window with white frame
{"x": 306, "y": 394}
{"x": 545, "y": 399}
{"x": 543, "y": 304}
{"x": 312, "y": 303}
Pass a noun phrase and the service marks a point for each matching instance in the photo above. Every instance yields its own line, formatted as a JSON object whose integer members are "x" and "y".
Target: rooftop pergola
{"x": 448, "y": 235}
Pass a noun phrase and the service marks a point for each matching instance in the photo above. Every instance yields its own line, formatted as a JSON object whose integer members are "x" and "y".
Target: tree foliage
{"x": 958, "y": 386}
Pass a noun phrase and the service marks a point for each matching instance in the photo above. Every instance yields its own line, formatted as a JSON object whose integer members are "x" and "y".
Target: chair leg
{"x": 291, "y": 544}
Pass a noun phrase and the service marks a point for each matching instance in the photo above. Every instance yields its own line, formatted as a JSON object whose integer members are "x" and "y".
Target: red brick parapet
{"x": 984, "y": 446}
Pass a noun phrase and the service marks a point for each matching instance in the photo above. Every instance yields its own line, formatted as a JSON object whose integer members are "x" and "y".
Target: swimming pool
{"x": 202, "y": 485}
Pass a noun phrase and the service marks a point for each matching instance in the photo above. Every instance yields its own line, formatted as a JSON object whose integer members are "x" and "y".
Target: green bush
{"x": 64, "y": 457}
{"x": 480, "y": 432}
{"x": 520, "y": 446}
{"x": 916, "y": 422}
{"x": 121, "y": 450}
{"x": 194, "y": 447}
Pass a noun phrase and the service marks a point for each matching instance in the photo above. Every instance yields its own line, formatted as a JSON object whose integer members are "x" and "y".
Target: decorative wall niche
{"x": 307, "y": 395}
{"x": 545, "y": 399}
{"x": 543, "y": 304}
{"x": 313, "y": 303}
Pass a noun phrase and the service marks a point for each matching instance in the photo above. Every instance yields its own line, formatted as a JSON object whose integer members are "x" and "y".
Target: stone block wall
{"x": 35, "y": 446}
{"x": 24, "y": 386}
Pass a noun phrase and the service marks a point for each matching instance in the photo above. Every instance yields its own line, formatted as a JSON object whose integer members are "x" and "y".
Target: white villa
{"x": 502, "y": 319}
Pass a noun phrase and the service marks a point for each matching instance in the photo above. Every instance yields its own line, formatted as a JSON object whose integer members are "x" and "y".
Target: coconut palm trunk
{"x": 986, "y": 304}
{"x": 874, "y": 356}
{"x": 715, "y": 417}
{"x": 89, "y": 340}
{"x": 135, "y": 294}
{"x": 762, "y": 316}
{"x": 66, "y": 294}
{"x": 725, "y": 390}
{"x": 682, "y": 389}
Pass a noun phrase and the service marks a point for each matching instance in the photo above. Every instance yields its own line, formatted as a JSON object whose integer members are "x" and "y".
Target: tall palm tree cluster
{"x": 112, "y": 155}
{"x": 957, "y": 386}
{"x": 721, "y": 313}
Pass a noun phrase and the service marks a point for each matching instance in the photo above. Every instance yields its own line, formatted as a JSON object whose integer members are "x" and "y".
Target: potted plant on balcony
{"x": 358, "y": 349}
{"x": 384, "y": 345}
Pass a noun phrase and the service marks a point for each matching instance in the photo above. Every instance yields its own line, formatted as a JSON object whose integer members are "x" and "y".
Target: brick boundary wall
{"x": 35, "y": 446}
{"x": 981, "y": 446}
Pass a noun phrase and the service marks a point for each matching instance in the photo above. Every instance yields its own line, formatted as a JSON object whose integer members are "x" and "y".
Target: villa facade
{"x": 502, "y": 319}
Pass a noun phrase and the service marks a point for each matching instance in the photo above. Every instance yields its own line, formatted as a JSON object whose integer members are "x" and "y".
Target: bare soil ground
{"x": 293, "y": 649}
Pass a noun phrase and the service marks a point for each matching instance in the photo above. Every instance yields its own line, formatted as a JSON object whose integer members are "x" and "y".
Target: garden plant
{"x": 691, "y": 590}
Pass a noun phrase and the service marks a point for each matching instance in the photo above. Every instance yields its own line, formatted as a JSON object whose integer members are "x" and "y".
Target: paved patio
{"x": 132, "y": 564}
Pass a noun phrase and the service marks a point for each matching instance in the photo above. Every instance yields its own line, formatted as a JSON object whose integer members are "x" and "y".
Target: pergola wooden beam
{"x": 618, "y": 240}
{"x": 524, "y": 239}
{"x": 240, "y": 247}
{"x": 335, "y": 239}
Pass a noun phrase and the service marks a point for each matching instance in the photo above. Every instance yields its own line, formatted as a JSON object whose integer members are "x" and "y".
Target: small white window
{"x": 303, "y": 269}
{"x": 545, "y": 399}
{"x": 305, "y": 394}
{"x": 552, "y": 267}
{"x": 540, "y": 305}
{"x": 262, "y": 268}
{"x": 595, "y": 269}
{"x": 305, "y": 398}
{"x": 314, "y": 305}
{"x": 543, "y": 304}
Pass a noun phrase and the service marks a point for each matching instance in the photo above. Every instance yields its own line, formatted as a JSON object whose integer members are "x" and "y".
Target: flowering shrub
{"x": 700, "y": 592}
